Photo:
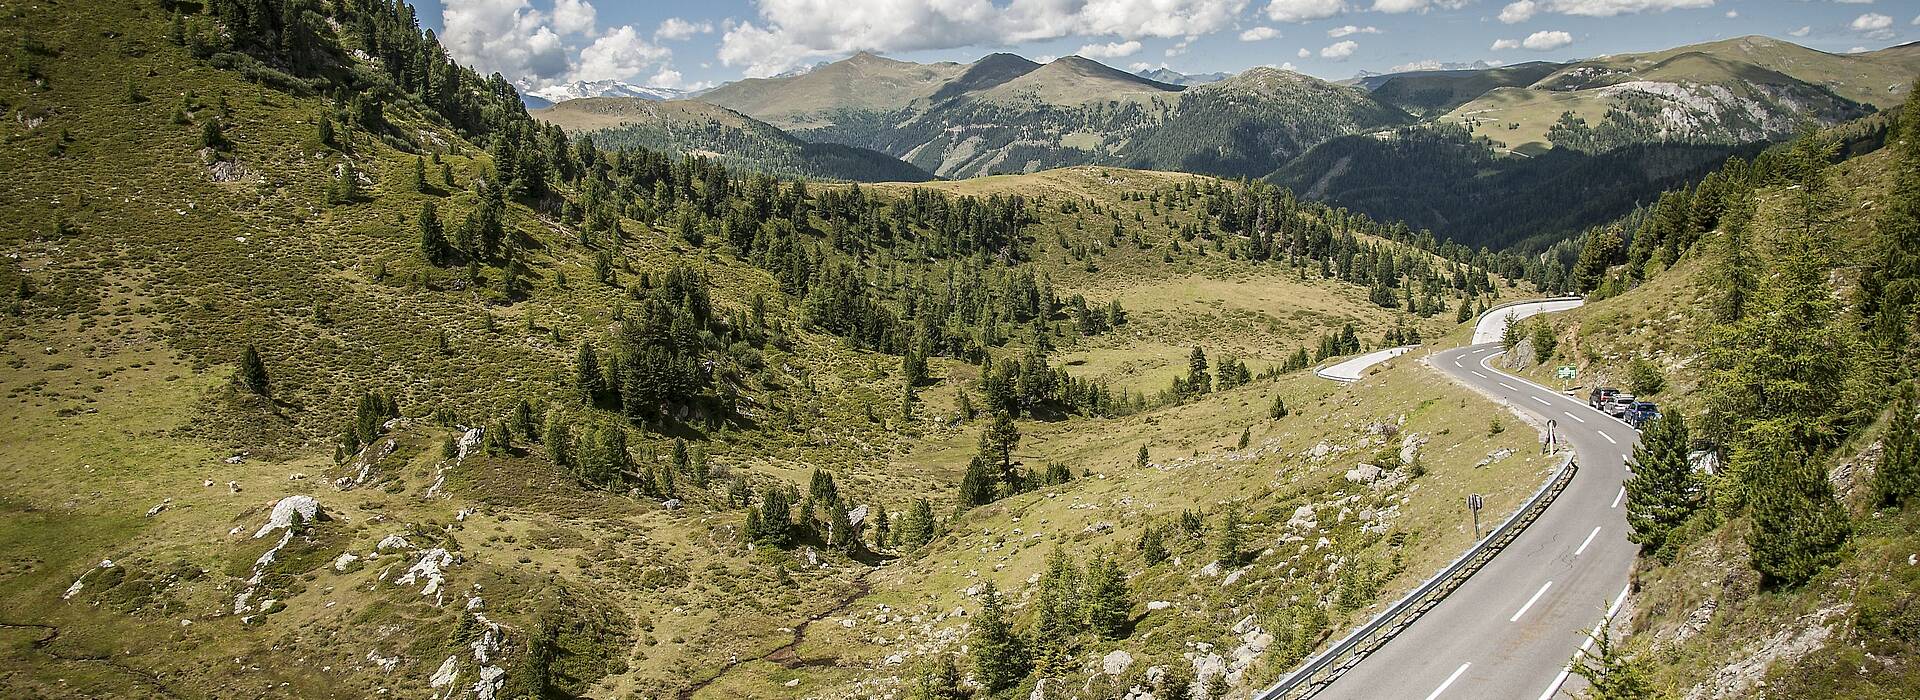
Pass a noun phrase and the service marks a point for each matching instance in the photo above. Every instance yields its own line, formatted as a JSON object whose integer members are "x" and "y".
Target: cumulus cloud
{"x": 509, "y": 37}
{"x": 1546, "y": 41}
{"x": 1518, "y": 12}
{"x": 676, "y": 29}
{"x": 791, "y": 32}
{"x": 1340, "y": 50}
{"x": 1286, "y": 65}
{"x": 1803, "y": 31}
{"x": 1350, "y": 30}
{"x": 1871, "y": 22}
{"x": 1303, "y": 53}
{"x": 1304, "y": 10}
{"x": 1609, "y": 8}
{"x": 1260, "y": 34}
{"x": 1115, "y": 49}
{"x": 617, "y": 55}
{"x": 1399, "y": 6}
{"x": 1733, "y": 14}
{"x": 573, "y": 16}
{"x": 1504, "y": 44}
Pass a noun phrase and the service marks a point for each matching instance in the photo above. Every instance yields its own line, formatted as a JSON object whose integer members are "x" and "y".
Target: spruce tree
{"x": 1610, "y": 673}
{"x": 1198, "y": 381}
{"x": 1105, "y": 593}
{"x": 1231, "y": 538}
{"x": 1663, "y": 491}
{"x": 588, "y": 377}
{"x": 1798, "y": 525}
{"x": 999, "y": 655}
{"x": 253, "y": 372}
{"x": 940, "y": 681}
{"x": 1279, "y": 408}
{"x": 1153, "y": 546}
{"x": 434, "y": 247}
{"x": 417, "y": 178}
{"x": 1897, "y": 481}
{"x": 1058, "y": 615}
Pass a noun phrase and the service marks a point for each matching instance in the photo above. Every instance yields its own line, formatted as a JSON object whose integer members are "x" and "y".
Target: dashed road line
{"x": 1530, "y": 601}
{"x": 1616, "y": 498}
{"x": 1574, "y": 417}
{"x": 1609, "y": 438}
{"x": 1478, "y": 374}
{"x": 1450, "y": 679}
{"x": 1589, "y": 540}
{"x": 1542, "y": 401}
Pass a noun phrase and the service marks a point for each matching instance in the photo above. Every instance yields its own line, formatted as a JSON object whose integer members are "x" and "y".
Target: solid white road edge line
{"x": 1450, "y": 679}
{"x": 1530, "y": 602}
{"x": 1609, "y": 438}
{"x": 1617, "y": 497}
{"x": 1583, "y": 545}
{"x": 1558, "y": 680}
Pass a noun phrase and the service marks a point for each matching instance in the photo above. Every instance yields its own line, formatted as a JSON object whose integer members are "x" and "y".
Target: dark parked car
{"x": 1640, "y": 412}
{"x": 1601, "y": 396}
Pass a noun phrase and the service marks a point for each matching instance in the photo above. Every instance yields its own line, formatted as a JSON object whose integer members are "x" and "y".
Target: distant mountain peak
{"x": 580, "y": 89}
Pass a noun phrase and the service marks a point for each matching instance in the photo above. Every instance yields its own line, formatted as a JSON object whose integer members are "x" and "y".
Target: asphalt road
{"x": 1511, "y": 630}
{"x": 1351, "y": 370}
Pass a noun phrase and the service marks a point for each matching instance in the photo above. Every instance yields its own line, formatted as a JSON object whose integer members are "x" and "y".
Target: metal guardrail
{"x": 1320, "y": 671}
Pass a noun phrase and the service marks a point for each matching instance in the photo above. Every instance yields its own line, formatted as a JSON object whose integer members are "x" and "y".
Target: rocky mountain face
{"x": 582, "y": 89}
{"x": 687, "y": 127}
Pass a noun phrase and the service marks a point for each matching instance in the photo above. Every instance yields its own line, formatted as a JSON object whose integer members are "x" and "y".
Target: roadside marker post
{"x": 1474, "y": 503}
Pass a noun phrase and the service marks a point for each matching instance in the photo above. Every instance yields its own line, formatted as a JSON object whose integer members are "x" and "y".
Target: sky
{"x": 694, "y": 44}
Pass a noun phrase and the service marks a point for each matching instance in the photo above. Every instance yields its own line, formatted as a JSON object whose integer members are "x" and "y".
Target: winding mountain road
{"x": 1511, "y": 630}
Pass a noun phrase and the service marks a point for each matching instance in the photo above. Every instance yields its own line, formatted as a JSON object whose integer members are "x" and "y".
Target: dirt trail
{"x": 788, "y": 654}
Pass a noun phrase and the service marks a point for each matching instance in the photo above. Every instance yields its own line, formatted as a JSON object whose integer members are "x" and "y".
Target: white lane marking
{"x": 1450, "y": 679}
{"x": 1456, "y": 362}
{"x": 1509, "y": 387}
{"x": 1530, "y": 602}
{"x": 1576, "y": 418}
{"x": 1583, "y": 545}
{"x": 1542, "y": 401}
{"x": 1568, "y": 670}
{"x": 1609, "y": 438}
{"x": 1478, "y": 374}
{"x": 1617, "y": 497}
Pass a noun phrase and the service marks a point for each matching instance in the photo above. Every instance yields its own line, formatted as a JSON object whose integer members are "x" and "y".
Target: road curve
{"x": 1511, "y": 629}
{"x": 1351, "y": 370}
{"x": 1493, "y": 323}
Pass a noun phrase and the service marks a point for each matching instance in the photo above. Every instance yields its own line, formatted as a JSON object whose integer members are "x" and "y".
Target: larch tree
{"x": 1664, "y": 490}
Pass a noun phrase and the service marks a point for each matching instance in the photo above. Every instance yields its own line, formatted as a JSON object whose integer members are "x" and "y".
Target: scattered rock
{"x": 282, "y": 515}
{"x": 1159, "y": 604}
{"x": 156, "y": 509}
{"x": 1116, "y": 662}
{"x": 1364, "y": 474}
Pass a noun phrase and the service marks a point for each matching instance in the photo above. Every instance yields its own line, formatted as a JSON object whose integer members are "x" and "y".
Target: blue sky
{"x": 700, "y": 43}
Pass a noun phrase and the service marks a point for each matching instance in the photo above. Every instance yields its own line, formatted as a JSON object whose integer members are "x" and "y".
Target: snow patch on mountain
{"x": 581, "y": 89}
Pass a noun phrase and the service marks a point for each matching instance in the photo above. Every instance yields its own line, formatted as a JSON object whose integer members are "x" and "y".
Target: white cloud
{"x": 1504, "y": 44}
{"x": 1139, "y": 66}
{"x": 1854, "y": 2}
{"x": 504, "y": 36}
{"x": 1260, "y": 34}
{"x": 1350, "y": 30}
{"x": 1286, "y": 65}
{"x": 1304, "y": 10}
{"x": 1518, "y": 12}
{"x": 1803, "y": 31}
{"x": 676, "y": 29}
{"x": 573, "y": 16}
{"x": 1546, "y": 41}
{"x": 1733, "y": 14}
{"x": 792, "y": 32}
{"x": 1429, "y": 64}
{"x": 618, "y": 55}
{"x": 1871, "y": 22}
{"x": 1180, "y": 47}
{"x": 1858, "y": 49}
{"x": 1303, "y": 53}
{"x": 1115, "y": 49}
{"x": 1339, "y": 50}
{"x": 1609, "y": 8}
{"x": 1399, "y": 6}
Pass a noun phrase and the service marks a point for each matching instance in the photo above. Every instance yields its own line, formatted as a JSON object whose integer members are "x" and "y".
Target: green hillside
{"x": 334, "y": 374}
{"x": 734, "y": 140}
{"x": 1772, "y": 308}
{"x": 1430, "y": 93}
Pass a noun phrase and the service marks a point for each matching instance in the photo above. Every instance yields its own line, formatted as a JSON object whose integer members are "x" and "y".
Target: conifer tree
{"x": 1610, "y": 673}
{"x": 559, "y": 442}
{"x": 417, "y": 178}
{"x": 1897, "y": 481}
{"x": 1105, "y": 593}
{"x": 253, "y": 372}
{"x": 1231, "y": 538}
{"x": 1198, "y": 381}
{"x": 1279, "y": 408}
{"x": 433, "y": 236}
{"x": 1663, "y": 491}
{"x": 917, "y": 528}
{"x": 588, "y": 377}
{"x": 940, "y": 681}
{"x": 977, "y": 484}
{"x": 1058, "y": 615}
{"x": 1153, "y": 546}
{"x": 1798, "y": 525}
{"x": 999, "y": 655}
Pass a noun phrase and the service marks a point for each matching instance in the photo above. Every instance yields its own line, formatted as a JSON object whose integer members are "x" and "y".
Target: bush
{"x": 1644, "y": 378}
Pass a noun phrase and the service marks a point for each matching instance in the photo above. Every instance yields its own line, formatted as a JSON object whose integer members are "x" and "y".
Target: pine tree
{"x": 1105, "y": 593}
{"x": 559, "y": 441}
{"x": 1153, "y": 546}
{"x": 1798, "y": 525}
{"x": 1664, "y": 490}
{"x": 1198, "y": 381}
{"x": 1897, "y": 481}
{"x": 1610, "y": 673}
{"x": 253, "y": 372}
{"x": 940, "y": 681}
{"x": 1140, "y": 458}
{"x": 434, "y": 247}
{"x": 916, "y": 530}
{"x": 524, "y": 422}
{"x": 1731, "y": 267}
{"x": 977, "y": 484}
{"x": 324, "y": 132}
{"x": 1058, "y": 615}
{"x": 999, "y": 655}
{"x": 881, "y": 527}
{"x": 1231, "y": 538}
{"x": 1279, "y": 408}
{"x": 417, "y": 178}
{"x": 588, "y": 377}
{"x": 997, "y": 443}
